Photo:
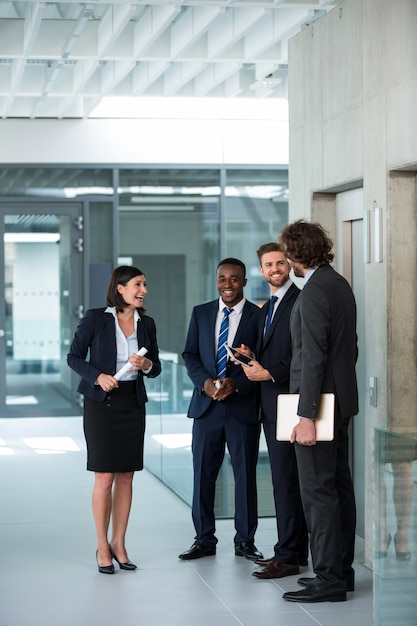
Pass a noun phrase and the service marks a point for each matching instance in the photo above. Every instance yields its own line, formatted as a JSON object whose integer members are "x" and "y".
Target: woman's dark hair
{"x": 307, "y": 243}
{"x": 121, "y": 276}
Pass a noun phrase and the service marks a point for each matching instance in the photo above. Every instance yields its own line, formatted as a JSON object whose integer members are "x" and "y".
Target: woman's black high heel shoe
{"x": 128, "y": 565}
{"x": 401, "y": 556}
{"x": 104, "y": 569}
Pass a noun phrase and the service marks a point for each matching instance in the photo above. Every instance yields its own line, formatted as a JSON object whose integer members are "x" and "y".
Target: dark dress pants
{"x": 292, "y": 544}
{"x": 329, "y": 504}
{"x": 211, "y": 433}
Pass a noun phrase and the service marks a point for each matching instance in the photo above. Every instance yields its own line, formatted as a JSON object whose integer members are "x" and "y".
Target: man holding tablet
{"x": 272, "y": 370}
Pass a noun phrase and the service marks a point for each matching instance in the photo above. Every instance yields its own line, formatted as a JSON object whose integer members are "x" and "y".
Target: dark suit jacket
{"x": 96, "y": 335}
{"x": 324, "y": 342}
{"x": 200, "y": 359}
{"x": 274, "y": 352}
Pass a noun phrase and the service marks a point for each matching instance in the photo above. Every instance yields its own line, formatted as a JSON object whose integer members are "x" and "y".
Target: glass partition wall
{"x": 175, "y": 224}
{"x": 256, "y": 209}
{"x": 395, "y": 532}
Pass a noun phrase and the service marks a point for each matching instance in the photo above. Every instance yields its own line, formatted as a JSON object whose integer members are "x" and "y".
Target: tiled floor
{"x": 48, "y": 575}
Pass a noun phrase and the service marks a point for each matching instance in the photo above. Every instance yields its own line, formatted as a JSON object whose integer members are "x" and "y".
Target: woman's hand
{"x": 140, "y": 362}
{"x": 107, "y": 382}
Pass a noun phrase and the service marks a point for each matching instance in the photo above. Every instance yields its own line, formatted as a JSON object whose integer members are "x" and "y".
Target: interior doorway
{"x": 41, "y": 277}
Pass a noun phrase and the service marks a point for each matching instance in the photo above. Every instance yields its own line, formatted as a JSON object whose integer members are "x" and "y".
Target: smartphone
{"x": 235, "y": 355}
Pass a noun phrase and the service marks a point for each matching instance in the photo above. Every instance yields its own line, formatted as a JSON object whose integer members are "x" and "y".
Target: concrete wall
{"x": 353, "y": 94}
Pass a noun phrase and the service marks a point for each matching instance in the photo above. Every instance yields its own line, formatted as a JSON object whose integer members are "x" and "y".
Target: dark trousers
{"x": 292, "y": 544}
{"x": 211, "y": 433}
{"x": 329, "y": 504}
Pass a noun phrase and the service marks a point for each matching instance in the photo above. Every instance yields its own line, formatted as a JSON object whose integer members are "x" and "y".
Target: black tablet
{"x": 235, "y": 355}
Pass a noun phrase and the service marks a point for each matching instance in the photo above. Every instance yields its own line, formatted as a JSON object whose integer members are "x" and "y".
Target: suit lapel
{"x": 141, "y": 333}
{"x": 279, "y": 312}
{"x": 211, "y": 336}
{"x": 246, "y": 315}
{"x": 261, "y": 328}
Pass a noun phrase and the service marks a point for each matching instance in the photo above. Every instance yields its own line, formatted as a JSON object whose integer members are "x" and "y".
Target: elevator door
{"x": 41, "y": 276}
{"x": 359, "y": 420}
{"x": 350, "y": 259}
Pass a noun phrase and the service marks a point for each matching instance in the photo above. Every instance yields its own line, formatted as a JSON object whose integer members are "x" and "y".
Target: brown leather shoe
{"x": 276, "y": 569}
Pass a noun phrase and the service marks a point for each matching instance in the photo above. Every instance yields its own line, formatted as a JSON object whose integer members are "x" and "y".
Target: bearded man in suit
{"x": 324, "y": 344}
{"x": 271, "y": 369}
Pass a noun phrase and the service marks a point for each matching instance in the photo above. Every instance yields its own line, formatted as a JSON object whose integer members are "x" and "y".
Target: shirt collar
{"x": 112, "y": 310}
{"x": 280, "y": 293}
{"x": 236, "y": 307}
{"x": 309, "y": 274}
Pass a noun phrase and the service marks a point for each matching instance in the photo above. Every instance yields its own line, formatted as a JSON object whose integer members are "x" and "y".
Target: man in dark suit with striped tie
{"x": 223, "y": 407}
{"x": 272, "y": 370}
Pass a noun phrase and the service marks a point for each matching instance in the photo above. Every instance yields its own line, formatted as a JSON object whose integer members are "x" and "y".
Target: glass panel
{"x": 101, "y": 232}
{"x": 256, "y": 210}
{"x": 37, "y": 295}
{"x": 395, "y": 562}
{"x": 225, "y": 490}
{"x": 170, "y": 229}
{"x": 57, "y": 182}
{"x": 168, "y": 444}
{"x": 168, "y": 430}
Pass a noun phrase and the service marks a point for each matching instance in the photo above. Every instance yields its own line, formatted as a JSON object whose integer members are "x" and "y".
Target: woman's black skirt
{"x": 114, "y": 431}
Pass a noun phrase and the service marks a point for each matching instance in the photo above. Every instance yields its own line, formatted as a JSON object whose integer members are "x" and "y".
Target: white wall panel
{"x": 144, "y": 141}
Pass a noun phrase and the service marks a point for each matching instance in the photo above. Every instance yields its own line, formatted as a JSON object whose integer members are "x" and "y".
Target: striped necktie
{"x": 272, "y": 301}
{"x": 221, "y": 349}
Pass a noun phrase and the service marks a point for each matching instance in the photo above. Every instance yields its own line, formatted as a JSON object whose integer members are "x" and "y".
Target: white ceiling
{"x": 59, "y": 59}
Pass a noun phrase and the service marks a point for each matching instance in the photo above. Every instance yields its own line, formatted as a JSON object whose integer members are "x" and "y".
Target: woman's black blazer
{"x": 93, "y": 352}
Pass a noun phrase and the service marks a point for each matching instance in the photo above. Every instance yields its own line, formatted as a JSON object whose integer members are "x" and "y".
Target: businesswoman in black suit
{"x": 114, "y": 409}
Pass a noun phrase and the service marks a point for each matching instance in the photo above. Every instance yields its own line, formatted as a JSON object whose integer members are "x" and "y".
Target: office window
{"x": 170, "y": 228}
{"x": 256, "y": 202}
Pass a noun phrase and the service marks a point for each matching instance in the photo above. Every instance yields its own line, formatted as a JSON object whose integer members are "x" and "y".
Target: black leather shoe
{"x": 248, "y": 550}
{"x": 197, "y": 551}
{"x": 128, "y": 565}
{"x": 104, "y": 569}
{"x": 317, "y": 592}
{"x": 305, "y": 582}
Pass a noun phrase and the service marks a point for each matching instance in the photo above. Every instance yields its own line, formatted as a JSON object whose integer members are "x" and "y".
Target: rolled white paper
{"x": 126, "y": 367}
